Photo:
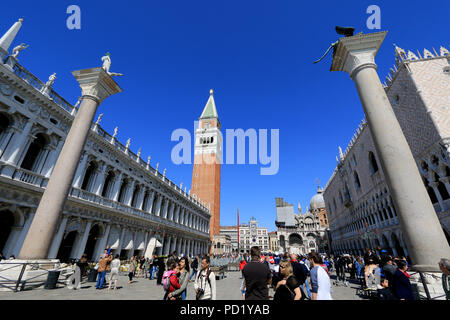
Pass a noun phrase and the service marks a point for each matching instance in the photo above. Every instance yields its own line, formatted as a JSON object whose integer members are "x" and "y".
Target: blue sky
{"x": 256, "y": 55}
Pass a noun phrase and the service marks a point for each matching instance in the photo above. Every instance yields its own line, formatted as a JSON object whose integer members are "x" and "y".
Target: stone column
{"x": 100, "y": 180}
{"x": 177, "y": 214}
{"x": 160, "y": 249}
{"x": 181, "y": 219}
{"x": 81, "y": 168}
{"x": 51, "y": 159}
{"x": 158, "y": 205}
{"x": 174, "y": 244}
{"x": 446, "y": 182}
{"x": 140, "y": 198}
{"x": 129, "y": 193}
{"x": 149, "y": 206}
{"x": 179, "y": 246}
{"x": 96, "y": 85}
{"x": 172, "y": 208}
{"x": 356, "y": 56}
{"x": 83, "y": 241}
{"x": 101, "y": 247}
{"x": 165, "y": 208}
{"x": 167, "y": 247}
{"x": 116, "y": 187}
{"x": 57, "y": 239}
{"x": 188, "y": 247}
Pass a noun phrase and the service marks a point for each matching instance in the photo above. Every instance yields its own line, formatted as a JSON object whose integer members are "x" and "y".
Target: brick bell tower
{"x": 207, "y": 162}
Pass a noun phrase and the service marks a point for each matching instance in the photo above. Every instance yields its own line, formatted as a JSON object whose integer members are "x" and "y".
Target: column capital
{"x": 96, "y": 83}
{"x": 356, "y": 52}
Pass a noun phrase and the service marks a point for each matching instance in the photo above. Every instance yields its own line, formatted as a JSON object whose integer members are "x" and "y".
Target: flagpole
{"x": 239, "y": 251}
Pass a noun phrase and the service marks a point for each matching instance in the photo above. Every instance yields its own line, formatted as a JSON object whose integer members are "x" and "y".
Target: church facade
{"x": 117, "y": 199}
{"x": 357, "y": 198}
{"x": 303, "y": 232}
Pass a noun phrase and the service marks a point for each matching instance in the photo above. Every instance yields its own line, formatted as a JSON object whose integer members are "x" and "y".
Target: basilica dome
{"x": 317, "y": 201}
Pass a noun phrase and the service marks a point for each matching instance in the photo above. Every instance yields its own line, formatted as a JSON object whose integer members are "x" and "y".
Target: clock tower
{"x": 207, "y": 161}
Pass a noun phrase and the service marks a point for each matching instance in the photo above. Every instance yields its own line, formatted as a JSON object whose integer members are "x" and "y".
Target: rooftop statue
{"x": 107, "y": 65}
{"x": 17, "y": 49}
{"x": 51, "y": 80}
{"x": 115, "y": 131}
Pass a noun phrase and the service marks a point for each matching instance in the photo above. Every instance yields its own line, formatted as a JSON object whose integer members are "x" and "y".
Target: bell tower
{"x": 207, "y": 162}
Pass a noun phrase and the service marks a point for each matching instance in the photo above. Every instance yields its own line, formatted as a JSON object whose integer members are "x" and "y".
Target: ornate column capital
{"x": 96, "y": 84}
{"x": 354, "y": 53}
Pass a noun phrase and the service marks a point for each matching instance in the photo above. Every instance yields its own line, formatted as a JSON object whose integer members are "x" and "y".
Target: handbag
{"x": 96, "y": 266}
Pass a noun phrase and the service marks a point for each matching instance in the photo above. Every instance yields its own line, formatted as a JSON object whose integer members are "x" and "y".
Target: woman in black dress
{"x": 288, "y": 288}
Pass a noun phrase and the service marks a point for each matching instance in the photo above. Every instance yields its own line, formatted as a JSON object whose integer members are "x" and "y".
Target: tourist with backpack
{"x": 170, "y": 279}
{"x": 205, "y": 282}
{"x": 183, "y": 278}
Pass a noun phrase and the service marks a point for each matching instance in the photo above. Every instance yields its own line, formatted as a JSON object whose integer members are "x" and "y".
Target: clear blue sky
{"x": 256, "y": 55}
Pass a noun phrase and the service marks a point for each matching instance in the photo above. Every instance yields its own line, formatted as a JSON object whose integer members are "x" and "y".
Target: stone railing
{"x": 30, "y": 177}
{"x": 33, "y": 81}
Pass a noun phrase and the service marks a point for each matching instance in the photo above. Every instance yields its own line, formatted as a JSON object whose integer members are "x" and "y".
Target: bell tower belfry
{"x": 207, "y": 161}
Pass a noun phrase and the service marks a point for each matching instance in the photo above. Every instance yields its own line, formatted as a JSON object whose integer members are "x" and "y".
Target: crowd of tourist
{"x": 288, "y": 276}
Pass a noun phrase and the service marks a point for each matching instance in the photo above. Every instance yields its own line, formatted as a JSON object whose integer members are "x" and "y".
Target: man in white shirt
{"x": 320, "y": 281}
{"x": 205, "y": 282}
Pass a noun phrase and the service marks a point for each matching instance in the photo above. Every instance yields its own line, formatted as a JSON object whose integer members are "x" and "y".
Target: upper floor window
{"x": 34, "y": 152}
{"x": 373, "y": 166}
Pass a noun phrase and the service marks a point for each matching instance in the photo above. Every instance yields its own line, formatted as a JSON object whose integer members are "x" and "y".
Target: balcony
{"x": 40, "y": 181}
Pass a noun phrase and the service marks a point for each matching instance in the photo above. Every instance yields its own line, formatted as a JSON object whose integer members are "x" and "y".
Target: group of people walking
{"x": 286, "y": 275}
{"x": 290, "y": 276}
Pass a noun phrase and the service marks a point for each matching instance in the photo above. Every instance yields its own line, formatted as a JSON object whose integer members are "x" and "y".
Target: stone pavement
{"x": 144, "y": 289}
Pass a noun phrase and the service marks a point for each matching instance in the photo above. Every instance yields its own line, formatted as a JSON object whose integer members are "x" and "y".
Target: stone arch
{"x": 7, "y": 221}
{"x": 93, "y": 241}
{"x": 69, "y": 241}
{"x": 295, "y": 239}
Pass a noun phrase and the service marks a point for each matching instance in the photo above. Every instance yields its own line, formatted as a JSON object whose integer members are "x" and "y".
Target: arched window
{"x": 135, "y": 196}
{"x": 89, "y": 176}
{"x": 109, "y": 181}
{"x": 35, "y": 150}
{"x": 123, "y": 189}
{"x": 4, "y": 123}
{"x": 145, "y": 201}
{"x": 357, "y": 182}
{"x": 212, "y": 139}
{"x": 155, "y": 198}
{"x": 372, "y": 163}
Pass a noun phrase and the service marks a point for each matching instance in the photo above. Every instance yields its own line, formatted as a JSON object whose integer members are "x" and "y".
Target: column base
{"x": 34, "y": 273}
{"x": 425, "y": 268}
{"x": 433, "y": 282}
